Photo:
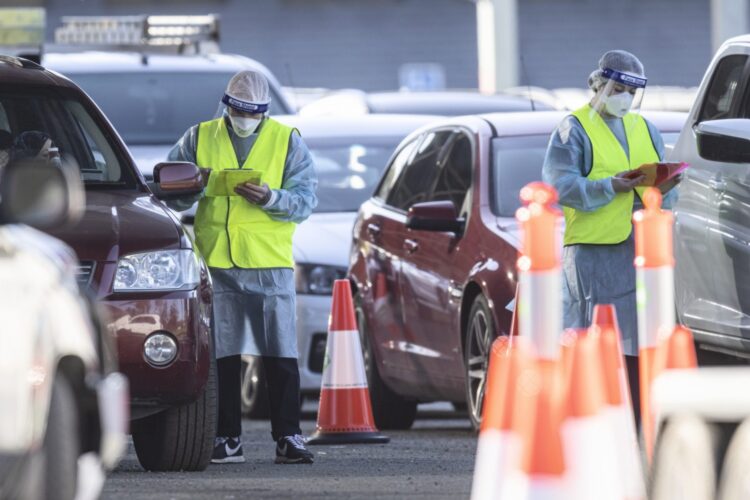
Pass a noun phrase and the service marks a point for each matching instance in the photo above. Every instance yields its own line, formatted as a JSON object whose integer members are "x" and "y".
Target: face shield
{"x": 617, "y": 93}
{"x": 245, "y": 102}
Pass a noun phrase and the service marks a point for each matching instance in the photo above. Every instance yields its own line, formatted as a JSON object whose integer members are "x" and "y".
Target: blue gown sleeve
{"x": 670, "y": 198}
{"x": 185, "y": 150}
{"x": 296, "y": 199}
{"x": 566, "y": 164}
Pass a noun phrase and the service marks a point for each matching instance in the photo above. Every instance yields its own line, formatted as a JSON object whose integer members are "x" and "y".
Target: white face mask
{"x": 242, "y": 126}
{"x": 618, "y": 104}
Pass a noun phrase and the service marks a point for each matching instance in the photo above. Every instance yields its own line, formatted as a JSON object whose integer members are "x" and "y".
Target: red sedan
{"x": 433, "y": 259}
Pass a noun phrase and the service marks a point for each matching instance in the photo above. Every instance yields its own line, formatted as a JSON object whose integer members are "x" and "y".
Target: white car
{"x": 63, "y": 405}
{"x": 350, "y": 154}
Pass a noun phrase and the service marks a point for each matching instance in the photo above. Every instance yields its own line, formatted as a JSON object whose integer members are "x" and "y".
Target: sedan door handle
{"x": 411, "y": 246}
{"x": 717, "y": 184}
{"x": 373, "y": 230}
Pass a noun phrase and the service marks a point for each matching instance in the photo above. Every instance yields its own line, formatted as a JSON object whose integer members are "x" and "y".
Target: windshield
{"x": 348, "y": 170}
{"x": 55, "y": 125}
{"x": 158, "y": 107}
{"x": 516, "y": 161}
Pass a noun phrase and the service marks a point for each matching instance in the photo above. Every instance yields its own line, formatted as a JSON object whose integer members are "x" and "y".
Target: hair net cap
{"x": 249, "y": 86}
{"x": 618, "y": 60}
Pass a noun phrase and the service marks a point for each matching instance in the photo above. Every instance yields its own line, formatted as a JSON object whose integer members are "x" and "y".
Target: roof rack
{"x": 194, "y": 34}
{"x": 22, "y": 31}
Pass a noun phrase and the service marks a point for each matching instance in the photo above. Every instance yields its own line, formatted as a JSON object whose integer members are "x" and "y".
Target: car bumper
{"x": 186, "y": 316}
{"x": 312, "y": 327}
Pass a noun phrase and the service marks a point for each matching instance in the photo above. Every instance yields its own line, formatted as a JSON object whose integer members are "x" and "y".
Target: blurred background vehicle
{"x": 433, "y": 261}
{"x": 63, "y": 405}
{"x": 350, "y": 154}
{"x": 444, "y": 103}
{"x": 135, "y": 260}
{"x": 151, "y": 92}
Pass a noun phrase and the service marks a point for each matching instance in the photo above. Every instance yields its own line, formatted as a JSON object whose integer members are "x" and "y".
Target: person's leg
{"x": 631, "y": 363}
{"x": 229, "y": 370}
{"x": 282, "y": 376}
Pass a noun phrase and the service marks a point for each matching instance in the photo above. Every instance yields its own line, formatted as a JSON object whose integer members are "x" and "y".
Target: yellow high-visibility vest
{"x": 230, "y": 231}
{"x": 611, "y": 223}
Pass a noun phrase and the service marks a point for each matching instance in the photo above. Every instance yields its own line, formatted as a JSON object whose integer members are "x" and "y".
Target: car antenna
{"x": 293, "y": 94}
{"x": 528, "y": 83}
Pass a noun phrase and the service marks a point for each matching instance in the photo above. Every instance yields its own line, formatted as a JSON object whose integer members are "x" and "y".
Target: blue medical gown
{"x": 254, "y": 309}
{"x": 595, "y": 274}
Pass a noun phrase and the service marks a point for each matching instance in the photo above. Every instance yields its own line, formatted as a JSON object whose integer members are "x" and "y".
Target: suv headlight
{"x": 317, "y": 279}
{"x": 162, "y": 270}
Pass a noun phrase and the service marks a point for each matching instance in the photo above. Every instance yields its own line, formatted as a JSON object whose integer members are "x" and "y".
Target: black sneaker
{"x": 227, "y": 451}
{"x": 291, "y": 450}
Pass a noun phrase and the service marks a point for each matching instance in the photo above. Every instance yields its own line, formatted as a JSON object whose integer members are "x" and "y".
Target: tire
{"x": 685, "y": 460}
{"x": 390, "y": 410}
{"x": 180, "y": 438}
{"x": 254, "y": 390}
{"x": 734, "y": 484}
{"x": 61, "y": 443}
{"x": 480, "y": 333}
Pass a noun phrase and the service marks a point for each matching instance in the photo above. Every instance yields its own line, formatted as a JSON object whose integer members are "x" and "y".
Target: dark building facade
{"x": 363, "y": 43}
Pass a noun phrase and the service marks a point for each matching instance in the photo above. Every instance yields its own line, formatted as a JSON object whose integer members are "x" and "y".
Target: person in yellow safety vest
{"x": 587, "y": 161}
{"x": 246, "y": 239}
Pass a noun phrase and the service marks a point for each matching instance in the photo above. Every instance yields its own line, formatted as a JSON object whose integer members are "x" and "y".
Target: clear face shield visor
{"x": 622, "y": 93}
{"x": 244, "y": 116}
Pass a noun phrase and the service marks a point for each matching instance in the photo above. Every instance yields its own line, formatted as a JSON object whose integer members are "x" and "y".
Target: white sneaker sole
{"x": 228, "y": 460}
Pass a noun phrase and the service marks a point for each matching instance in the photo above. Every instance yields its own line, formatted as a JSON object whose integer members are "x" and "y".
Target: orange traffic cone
{"x": 680, "y": 350}
{"x": 619, "y": 407}
{"x": 654, "y": 263}
{"x": 590, "y": 456}
{"x": 507, "y": 421}
{"x": 344, "y": 412}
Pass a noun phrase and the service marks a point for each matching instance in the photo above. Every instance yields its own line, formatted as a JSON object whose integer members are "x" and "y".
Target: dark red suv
{"x": 135, "y": 259}
{"x": 433, "y": 264}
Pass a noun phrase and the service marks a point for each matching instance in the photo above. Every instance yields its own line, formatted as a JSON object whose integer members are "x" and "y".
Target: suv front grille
{"x": 84, "y": 271}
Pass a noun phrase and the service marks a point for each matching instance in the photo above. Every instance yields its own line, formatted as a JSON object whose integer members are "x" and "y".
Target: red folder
{"x": 658, "y": 173}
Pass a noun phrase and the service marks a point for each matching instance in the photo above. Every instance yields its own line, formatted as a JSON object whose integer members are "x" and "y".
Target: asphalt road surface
{"x": 435, "y": 459}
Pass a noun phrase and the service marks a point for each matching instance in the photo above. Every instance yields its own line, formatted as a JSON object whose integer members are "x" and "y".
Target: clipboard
{"x": 223, "y": 182}
{"x": 658, "y": 173}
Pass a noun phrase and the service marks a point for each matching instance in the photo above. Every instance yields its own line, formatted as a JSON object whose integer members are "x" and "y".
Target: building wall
{"x": 362, "y": 43}
{"x": 561, "y": 41}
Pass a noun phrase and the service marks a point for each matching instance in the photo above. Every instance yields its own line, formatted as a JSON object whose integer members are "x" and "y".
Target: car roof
{"x": 543, "y": 122}
{"x": 24, "y": 72}
{"x": 377, "y": 125}
{"x": 116, "y": 62}
{"x": 448, "y": 102}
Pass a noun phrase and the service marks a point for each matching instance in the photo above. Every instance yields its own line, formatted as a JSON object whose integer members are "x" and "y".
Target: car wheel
{"x": 180, "y": 438}
{"x": 390, "y": 410}
{"x": 480, "y": 332}
{"x": 254, "y": 390}
{"x": 685, "y": 459}
{"x": 61, "y": 443}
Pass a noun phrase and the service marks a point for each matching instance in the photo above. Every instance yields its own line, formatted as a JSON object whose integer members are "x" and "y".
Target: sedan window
{"x": 725, "y": 83}
{"x": 47, "y": 125}
{"x": 455, "y": 173}
{"x": 516, "y": 161}
{"x": 415, "y": 183}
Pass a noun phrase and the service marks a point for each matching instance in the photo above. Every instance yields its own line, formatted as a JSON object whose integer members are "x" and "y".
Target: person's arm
{"x": 296, "y": 199}
{"x": 185, "y": 150}
{"x": 566, "y": 163}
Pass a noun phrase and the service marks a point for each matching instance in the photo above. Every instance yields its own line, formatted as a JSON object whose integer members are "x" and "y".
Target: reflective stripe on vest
{"x": 230, "y": 231}
{"x": 611, "y": 223}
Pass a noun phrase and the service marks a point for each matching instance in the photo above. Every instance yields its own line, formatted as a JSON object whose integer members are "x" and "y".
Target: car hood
{"x": 146, "y": 157}
{"x": 325, "y": 238}
{"x": 118, "y": 223}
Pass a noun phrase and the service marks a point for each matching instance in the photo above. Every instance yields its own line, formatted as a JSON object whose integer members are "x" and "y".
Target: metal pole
{"x": 728, "y": 18}
{"x": 497, "y": 39}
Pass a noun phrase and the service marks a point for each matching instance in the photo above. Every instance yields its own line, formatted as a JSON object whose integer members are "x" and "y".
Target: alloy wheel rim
{"x": 477, "y": 362}
{"x": 249, "y": 385}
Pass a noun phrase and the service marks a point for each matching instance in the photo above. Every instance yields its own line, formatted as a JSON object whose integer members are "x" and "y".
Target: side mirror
{"x": 176, "y": 179}
{"x": 724, "y": 140}
{"x": 40, "y": 194}
{"x": 435, "y": 216}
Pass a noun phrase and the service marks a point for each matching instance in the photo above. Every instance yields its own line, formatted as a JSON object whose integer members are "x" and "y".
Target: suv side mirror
{"x": 724, "y": 140}
{"x": 175, "y": 179}
{"x": 435, "y": 216}
{"x": 40, "y": 194}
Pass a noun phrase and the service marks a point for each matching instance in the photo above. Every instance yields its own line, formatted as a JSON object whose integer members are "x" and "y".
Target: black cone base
{"x": 347, "y": 438}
